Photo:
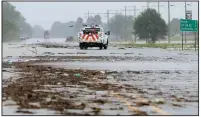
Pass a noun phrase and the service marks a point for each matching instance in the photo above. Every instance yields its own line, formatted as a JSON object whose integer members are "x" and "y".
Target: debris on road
{"x": 128, "y": 53}
{"x": 176, "y": 104}
{"x": 103, "y": 72}
{"x": 10, "y": 61}
{"x": 102, "y": 93}
{"x": 77, "y": 75}
{"x": 158, "y": 101}
{"x": 121, "y": 48}
{"x": 54, "y": 82}
{"x": 143, "y": 103}
{"x": 24, "y": 111}
{"x": 48, "y": 53}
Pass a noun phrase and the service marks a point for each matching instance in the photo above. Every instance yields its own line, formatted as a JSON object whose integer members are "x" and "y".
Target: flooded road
{"x": 59, "y": 78}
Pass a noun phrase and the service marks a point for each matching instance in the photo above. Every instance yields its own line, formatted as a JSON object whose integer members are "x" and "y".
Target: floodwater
{"x": 151, "y": 73}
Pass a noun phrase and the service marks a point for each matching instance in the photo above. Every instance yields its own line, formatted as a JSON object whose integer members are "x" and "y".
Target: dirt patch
{"x": 33, "y": 87}
{"x": 25, "y": 112}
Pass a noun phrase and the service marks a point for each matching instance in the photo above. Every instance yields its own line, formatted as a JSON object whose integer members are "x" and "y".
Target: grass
{"x": 179, "y": 38}
{"x": 159, "y": 45}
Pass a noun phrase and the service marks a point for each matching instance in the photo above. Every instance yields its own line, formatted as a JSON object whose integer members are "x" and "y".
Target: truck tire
{"x": 101, "y": 47}
{"x": 85, "y": 47}
{"x": 105, "y": 46}
{"x": 81, "y": 46}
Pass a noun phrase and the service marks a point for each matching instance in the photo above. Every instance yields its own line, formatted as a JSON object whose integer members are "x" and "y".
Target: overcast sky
{"x": 45, "y": 13}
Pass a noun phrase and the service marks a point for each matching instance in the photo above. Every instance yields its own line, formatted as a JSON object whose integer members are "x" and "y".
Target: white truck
{"x": 93, "y": 36}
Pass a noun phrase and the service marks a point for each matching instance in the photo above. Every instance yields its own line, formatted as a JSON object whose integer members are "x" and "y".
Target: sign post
{"x": 195, "y": 39}
{"x": 188, "y": 15}
{"x": 182, "y": 41}
{"x": 188, "y": 25}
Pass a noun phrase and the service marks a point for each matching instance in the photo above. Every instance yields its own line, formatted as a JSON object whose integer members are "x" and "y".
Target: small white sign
{"x": 188, "y": 14}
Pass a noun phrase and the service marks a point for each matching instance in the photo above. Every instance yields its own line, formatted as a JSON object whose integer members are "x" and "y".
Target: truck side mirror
{"x": 108, "y": 32}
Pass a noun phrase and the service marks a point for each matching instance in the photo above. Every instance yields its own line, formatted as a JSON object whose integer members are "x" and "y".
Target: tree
{"x": 117, "y": 25}
{"x": 78, "y": 24}
{"x": 14, "y": 24}
{"x": 11, "y": 30}
{"x": 175, "y": 26}
{"x": 90, "y": 20}
{"x": 97, "y": 20}
{"x": 150, "y": 25}
{"x": 63, "y": 30}
{"x": 38, "y": 31}
{"x": 26, "y": 29}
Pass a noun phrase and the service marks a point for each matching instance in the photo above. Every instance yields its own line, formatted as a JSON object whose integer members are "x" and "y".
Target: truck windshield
{"x": 91, "y": 30}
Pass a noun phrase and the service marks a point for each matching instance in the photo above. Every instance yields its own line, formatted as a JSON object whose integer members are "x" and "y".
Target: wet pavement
{"x": 50, "y": 77}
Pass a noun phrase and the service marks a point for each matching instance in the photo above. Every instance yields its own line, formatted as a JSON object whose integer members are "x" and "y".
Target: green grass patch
{"x": 159, "y": 45}
{"x": 179, "y": 38}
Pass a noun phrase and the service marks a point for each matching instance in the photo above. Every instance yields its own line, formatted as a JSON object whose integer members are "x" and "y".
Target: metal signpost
{"x": 188, "y": 15}
{"x": 188, "y": 25}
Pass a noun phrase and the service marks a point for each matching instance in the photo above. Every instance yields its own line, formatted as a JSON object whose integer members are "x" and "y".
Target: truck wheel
{"x": 101, "y": 47}
{"x": 105, "y": 46}
{"x": 81, "y": 46}
{"x": 85, "y": 47}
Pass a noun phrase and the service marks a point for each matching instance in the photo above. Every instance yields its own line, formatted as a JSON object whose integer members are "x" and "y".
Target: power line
{"x": 134, "y": 10}
{"x": 158, "y": 6}
{"x": 148, "y": 4}
{"x": 107, "y": 13}
{"x": 125, "y": 10}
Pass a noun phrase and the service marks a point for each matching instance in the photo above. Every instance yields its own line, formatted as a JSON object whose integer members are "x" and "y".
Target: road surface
{"x": 116, "y": 81}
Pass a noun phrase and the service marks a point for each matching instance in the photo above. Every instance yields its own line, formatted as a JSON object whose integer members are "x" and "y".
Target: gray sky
{"x": 45, "y": 13}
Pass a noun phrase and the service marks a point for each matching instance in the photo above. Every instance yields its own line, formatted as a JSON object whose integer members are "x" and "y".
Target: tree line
{"x": 14, "y": 24}
{"x": 149, "y": 25}
{"x": 71, "y": 28}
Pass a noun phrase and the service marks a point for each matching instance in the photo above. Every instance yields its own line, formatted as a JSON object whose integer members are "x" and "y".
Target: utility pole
{"x": 125, "y": 25}
{"x": 88, "y": 14}
{"x": 147, "y": 4}
{"x": 185, "y": 18}
{"x": 168, "y": 22}
{"x": 134, "y": 11}
{"x": 108, "y": 17}
{"x": 158, "y": 6}
{"x": 107, "y": 13}
{"x": 143, "y": 8}
{"x": 134, "y": 20}
{"x": 125, "y": 10}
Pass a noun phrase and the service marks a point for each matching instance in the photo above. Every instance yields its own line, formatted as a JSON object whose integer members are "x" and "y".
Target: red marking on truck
{"x": 89, "y": 37}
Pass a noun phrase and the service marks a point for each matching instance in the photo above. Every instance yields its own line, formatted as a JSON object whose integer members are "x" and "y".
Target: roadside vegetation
{"x": 160, "y": 45}
{"x": 14, "y": 24}
{"x": 150, "y": 26}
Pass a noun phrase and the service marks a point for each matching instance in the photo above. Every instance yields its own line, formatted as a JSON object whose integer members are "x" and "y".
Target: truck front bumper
{"x": 91, "y": 44}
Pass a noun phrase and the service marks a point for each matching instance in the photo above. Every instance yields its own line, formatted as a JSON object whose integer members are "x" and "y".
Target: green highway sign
{"x": 188, "y": 25}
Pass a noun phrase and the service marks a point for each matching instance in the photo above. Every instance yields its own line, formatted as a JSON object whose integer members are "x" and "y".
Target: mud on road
{"x": 108, "y": 83}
